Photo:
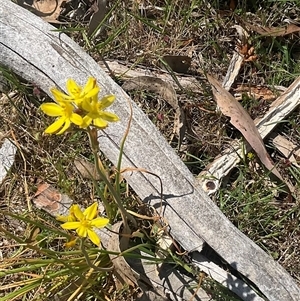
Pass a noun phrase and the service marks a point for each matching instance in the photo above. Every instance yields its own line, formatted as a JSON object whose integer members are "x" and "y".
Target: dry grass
{"x": 205, "y": 34}
{"x": 141, "y": 37}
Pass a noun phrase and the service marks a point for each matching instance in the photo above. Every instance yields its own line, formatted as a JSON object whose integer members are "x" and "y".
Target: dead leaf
{"x": 51, "y": 200}
{"x": 232, "y": 5}
{"x": 257, "y": 92}
{"x": 100, "y": 11}
{"x": 155, "y": 85}
{"x": 248, "y": 52}
{"x": 236, "y": 63}
{"x": 122, "y": 270}
{"x": 49, "y": 10}
{"x": 274, "y": 31}
{"x": 86, "y": 169}
{"x": 178, "y": 63}
{"x": 241, "y": 120}
{"x": 242, "y": 34}
{"x": 167, "y": 92}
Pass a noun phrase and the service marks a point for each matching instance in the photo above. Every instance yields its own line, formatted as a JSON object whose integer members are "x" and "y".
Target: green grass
{"x": 141, "y": 38}
{"x": 264, "y": 213}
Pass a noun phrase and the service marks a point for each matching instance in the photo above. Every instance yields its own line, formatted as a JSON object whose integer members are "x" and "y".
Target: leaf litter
{"x": 271, "y": 31}
{"x": 244, "y": 123}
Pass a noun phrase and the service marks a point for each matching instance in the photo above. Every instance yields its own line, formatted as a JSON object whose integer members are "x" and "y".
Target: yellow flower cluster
{"x": 80, "y": 106}
{"x": 84, "y": 222}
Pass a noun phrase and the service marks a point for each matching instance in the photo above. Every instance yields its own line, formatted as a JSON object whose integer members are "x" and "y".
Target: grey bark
{"x": 32, "y": 49}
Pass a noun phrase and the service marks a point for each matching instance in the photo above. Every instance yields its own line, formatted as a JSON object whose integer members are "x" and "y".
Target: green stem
{"x": 88, "y": 261}
{"x": 101, "y": 172}
{"x": 118, "y": 173}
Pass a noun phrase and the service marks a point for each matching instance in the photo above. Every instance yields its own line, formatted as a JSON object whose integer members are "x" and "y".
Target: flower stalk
{"x": 116, "y": 196}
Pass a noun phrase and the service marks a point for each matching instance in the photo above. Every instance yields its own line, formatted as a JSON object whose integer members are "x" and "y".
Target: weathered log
{"x": 7, "y": 157}
{"x": 124, "y": 71}
{"x": 163, "y": 279}
{"x": 32, "y": 49}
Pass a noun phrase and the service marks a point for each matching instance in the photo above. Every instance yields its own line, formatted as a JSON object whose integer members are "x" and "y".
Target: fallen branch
{"x": 124, "y": 71}
{"x": 31, "y": 48}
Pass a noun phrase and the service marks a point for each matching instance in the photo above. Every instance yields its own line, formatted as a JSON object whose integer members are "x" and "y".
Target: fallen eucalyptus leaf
{"x": 51, "y": 200}
{"x": 241, "y": 120}
{"x": 288, "y": 149}
{"x": 86, "y": 169}
{"x": 274, "y": 31}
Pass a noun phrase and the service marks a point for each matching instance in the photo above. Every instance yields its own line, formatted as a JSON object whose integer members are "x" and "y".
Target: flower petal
{"x": 52, "y": 109}
{"x": 71, "y": 209}
{"x": 71, "y": 225}
{"x": 86, "y": 105}
{"x": 90, "y": 84}
{"x": 100, "y": 123}
{"x": 78, "y": 101}
{"x": 78, "y": 213}
{"x": 62, "y": 218}
{"x": 65, "y": 127}
{"x": 76, "y": 119}
{"x": 82, "y": 231}
{"x": 91, "y": 212}
{"x": 106, "y": 101}
{"x": 99, "y": 222}
{"x": 60, "y": 96}
{"x": 110, "y": 117}
{"x": 69, "y": 218}
{"x": 86, "y": 121}
{"x": 73, "y": 88}
{"x": 93, "y": 237}
{"x": 55, "y": 126}
{"x": 84, "y": 125}
{"x": 70, "y": 243}
{"x": 92, "y": 92}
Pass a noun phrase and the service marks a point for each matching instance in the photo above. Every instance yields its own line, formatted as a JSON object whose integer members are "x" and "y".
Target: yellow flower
{"x": 96, "y": 114}
{"x": 76, "y": 93}
{"x": 250, "y": 156}
{"x": 69, "y": 218}
{"x": 80, "y": 106}
{"x": 71, "y": 243}
{"x": 86, "y": 222}
{"x": 65, "y": 112}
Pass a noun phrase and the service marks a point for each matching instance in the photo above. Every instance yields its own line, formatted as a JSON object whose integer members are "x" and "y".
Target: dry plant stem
{"x": 150, "y": 173}
{"x": 69, "y": 61}
{"x": 101, "y": 171}
{"x": 154, "y": 218}
{"x": 201, "y": 277}
{"x": 88, "y": 261}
